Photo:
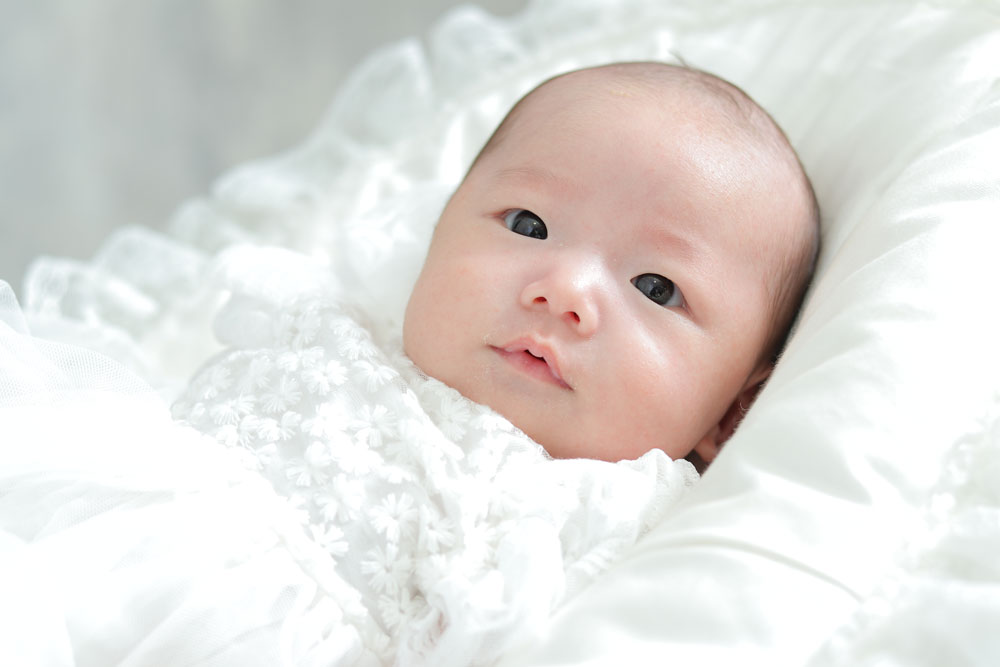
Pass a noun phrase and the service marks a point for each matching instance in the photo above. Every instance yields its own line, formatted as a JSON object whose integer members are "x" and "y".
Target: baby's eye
{"x": 525, "y": 223}
{"x": 658, "y": 289}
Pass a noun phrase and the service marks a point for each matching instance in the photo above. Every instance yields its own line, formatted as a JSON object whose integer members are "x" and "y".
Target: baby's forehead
{"x": 681, "y": 90}
{"x": 674, "y": 99}
{"x": 738, "y": 136}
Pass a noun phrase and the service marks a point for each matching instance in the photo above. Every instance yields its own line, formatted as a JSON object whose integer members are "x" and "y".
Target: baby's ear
{"x": 711, "y": 444}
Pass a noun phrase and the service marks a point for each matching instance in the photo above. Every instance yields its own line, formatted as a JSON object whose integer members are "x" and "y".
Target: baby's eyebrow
{"x": 530, "y": 173}
{"x": 680, "y": 244}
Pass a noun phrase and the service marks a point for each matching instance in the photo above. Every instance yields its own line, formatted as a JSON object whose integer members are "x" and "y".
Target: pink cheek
{"x": 454, "y": 296}
{"x": 465, "y": 273}
{"x": 663, "y": 374}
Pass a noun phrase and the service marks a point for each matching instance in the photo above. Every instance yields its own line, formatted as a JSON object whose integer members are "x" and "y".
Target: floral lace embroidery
{"x": 411, "y": 488}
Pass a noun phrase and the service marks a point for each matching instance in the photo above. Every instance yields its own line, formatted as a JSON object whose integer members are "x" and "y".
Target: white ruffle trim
{"x": 940, "y": 603}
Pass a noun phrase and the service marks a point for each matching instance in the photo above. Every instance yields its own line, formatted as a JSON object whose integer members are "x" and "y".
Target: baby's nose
{"x": 569, "y": 291}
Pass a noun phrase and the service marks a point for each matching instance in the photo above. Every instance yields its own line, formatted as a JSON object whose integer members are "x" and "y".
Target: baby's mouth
{"x": 531, "y": 358}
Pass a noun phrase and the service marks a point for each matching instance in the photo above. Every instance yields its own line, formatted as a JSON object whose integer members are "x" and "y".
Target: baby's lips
{"x": 541, "y": 351}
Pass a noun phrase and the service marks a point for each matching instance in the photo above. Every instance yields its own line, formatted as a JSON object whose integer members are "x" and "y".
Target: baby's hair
{"x": 751, "y": 124}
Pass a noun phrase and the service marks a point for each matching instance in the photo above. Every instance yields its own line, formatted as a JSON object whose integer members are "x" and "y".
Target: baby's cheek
{"x": 664, "y": 384}
{"x": 422, "y": 323}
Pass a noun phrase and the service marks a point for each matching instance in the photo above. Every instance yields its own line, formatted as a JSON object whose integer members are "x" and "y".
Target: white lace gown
{"x": 314, "y": 500}
{"x": 449, "y": 522}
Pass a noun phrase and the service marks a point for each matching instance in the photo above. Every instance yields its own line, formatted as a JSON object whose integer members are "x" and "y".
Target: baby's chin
{"x": 567, "y": 445}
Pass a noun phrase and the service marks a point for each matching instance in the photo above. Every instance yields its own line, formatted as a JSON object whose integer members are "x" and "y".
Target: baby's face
{"x": 600, "y": 278}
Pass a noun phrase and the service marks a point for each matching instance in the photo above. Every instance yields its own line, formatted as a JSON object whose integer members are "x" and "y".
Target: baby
{"x": 615, "y": 276}
{"x": 621, "y": 265}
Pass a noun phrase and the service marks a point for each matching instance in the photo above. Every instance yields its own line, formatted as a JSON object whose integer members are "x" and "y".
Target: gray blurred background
{"x": 115, "y": 111}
